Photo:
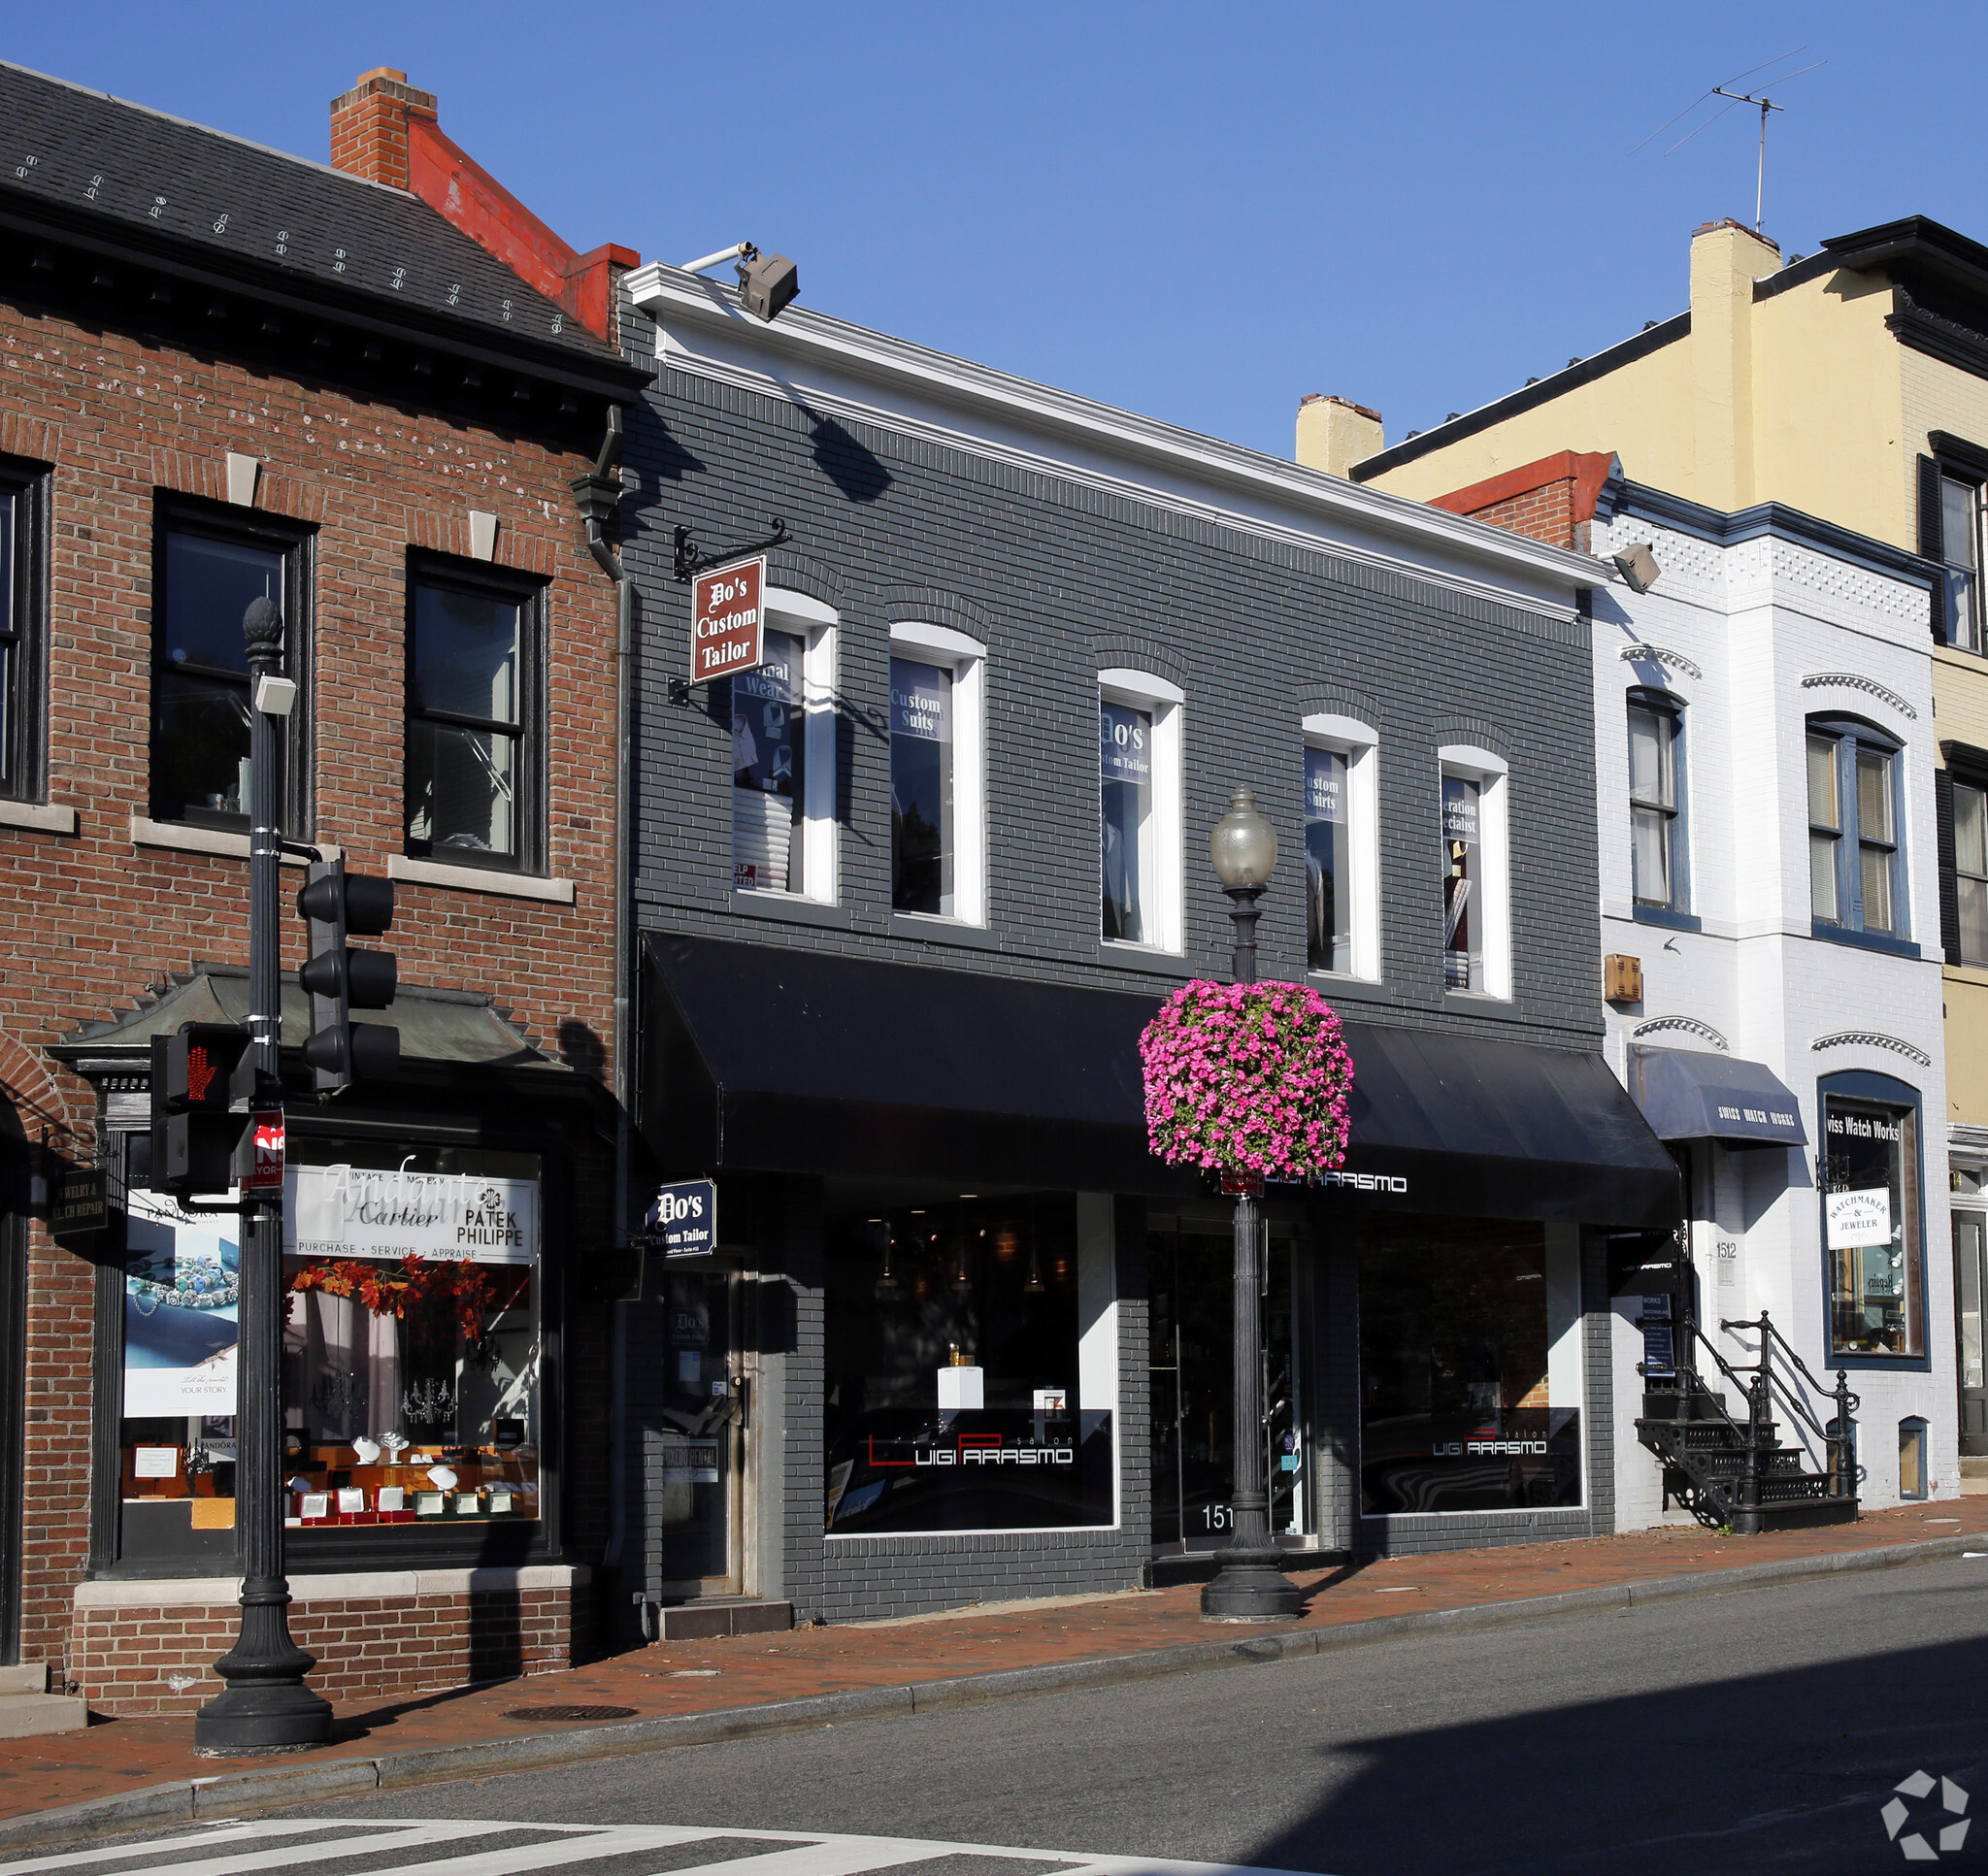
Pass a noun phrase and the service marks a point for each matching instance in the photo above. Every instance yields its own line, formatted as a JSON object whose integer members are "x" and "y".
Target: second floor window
{"x": 923, "y": 848}
{"x": 206, "y": 571}
{"x": 1656, "y": 826}
{"x": 1970, "y": 869}
{"x": 1463, "y": 948}
{"x": 22, "y": 684}
{"x": 1855, "y": 868}
{"x": 1328, "y": 861}
{"x": 770, "y": 770}
{"x": 1959, "y": 541}
{"x": 471, "y": 784}
{"x": 1125, "y": 785}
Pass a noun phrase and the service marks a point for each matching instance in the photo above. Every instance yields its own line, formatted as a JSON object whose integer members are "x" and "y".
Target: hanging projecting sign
{"x": 362, "y": 1211}
{"x": 79, "y": 1204}
{"x": 727, "y": 621}
{"x": 682, "y": 1221}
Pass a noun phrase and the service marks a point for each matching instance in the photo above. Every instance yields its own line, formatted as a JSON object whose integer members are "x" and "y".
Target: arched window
{"x": 1138, "y": 803}
{"x": 1856, "y": 856}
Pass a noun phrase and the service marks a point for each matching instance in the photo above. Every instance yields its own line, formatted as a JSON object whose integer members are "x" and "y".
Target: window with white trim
{"x": 1139, "y": 809}
{"x": 783, "y": 827}
{"x": 1342, "y": 847}
{"x": 937, "y": 773}
{"x": 1856, "y": 862}
{"x": 1477, "y": 873}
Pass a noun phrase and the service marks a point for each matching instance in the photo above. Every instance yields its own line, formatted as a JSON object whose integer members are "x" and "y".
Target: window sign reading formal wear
{"x": 200, "y": 674}
{"x": 951, "y": 1366}
{"x": 1125, "y": 771}
{"x": 1970, "y": 869}
{"x": 1328, "y": 881}
{"x": 1459, "y": 1409}
{"x": 1871, "y": 1227}
{"x": 1653, "y": 804}
{"x": 1462, "y": 913}
{"x": 769, "y": 761}
{"x": 411, "y": 1341}
{"x": 921, "y": 817}
{"x": 466, "y": 726}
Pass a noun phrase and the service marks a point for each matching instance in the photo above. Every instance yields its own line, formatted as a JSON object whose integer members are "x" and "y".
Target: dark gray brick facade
{"x": 1060, "y": 580}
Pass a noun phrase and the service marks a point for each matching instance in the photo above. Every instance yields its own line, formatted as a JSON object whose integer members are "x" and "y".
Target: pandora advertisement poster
{"x": 180, "y": 1279}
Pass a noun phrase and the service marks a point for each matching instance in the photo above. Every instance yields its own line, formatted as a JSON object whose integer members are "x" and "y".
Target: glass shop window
{"x": 411, "y": 1340}
{"x": 951, "y": 1370}
{"x": 1463, "y": 911}
{"x": 1328, "y": 880}
{"x": 1469, "y": 1369}
{"x": 1871, "y": 1223}
{"x": 1125, "y": 771}
{"x": 922, "y": 847}
{"x": 769, "y": 770}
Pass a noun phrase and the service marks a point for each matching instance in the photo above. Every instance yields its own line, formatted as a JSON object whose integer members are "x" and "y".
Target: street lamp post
{"x": 265, "y": 1706}
{"x": 1250, "y": 1586}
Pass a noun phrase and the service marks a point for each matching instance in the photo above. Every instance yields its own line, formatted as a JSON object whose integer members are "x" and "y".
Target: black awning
{"x": 773, "y": 1060}
{"x": 1688, "y": 1095}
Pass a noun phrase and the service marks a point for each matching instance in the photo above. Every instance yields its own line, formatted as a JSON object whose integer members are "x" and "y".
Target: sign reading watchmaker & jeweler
{"x": 363, "y": 1211}
{"x": 728, "y": 621}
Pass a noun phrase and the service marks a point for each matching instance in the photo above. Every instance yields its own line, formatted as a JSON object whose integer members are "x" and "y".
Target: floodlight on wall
{"x": 1638, "y": 567}
{"x": 767, "y": 283}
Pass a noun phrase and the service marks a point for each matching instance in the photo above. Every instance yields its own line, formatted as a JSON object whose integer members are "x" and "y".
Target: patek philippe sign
{"x": 728, "y": 621}
{"x": 682, "y": 1220}
{"x": 362, "y": 1211}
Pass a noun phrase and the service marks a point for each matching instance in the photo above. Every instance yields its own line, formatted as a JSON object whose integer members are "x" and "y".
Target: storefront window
{"x": 1125, "y": 771}
{"x": 1329, "y": 900}
{"x": 1470, "y": 1372}
{"x": 1463, "y": 949}
{"x": 1871, "y": 1227}
{"x": 411, "y": 1341}
{"x": 769, "y": 762}
{"x": 953, "y": 1393}
{"x": 921, "y": 832}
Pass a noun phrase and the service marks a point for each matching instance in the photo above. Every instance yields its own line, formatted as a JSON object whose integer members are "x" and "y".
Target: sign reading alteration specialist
{"x": 728, "y": 621}
{"x": 683, "y": 1220}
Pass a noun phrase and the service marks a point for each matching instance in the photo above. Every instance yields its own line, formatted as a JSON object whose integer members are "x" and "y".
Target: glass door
{"x": 699, "y": 1443}
{"x": 1191, "y": 1367}
{"x": 1971, "y": 1283}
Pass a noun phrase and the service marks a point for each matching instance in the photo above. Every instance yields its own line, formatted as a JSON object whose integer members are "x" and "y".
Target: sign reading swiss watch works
{"x": 728, "y": 621}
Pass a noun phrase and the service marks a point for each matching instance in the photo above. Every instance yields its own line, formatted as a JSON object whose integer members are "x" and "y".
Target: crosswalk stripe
{"x": 523, "y": 1858}
{"x": 390, "y": 1837}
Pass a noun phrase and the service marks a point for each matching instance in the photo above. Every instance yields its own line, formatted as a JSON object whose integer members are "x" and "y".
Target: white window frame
{"x": 966, "y": 659}
{"x": 1493, "y": 775}
{"x": 815, "y": 625}
{"x": 1161, "y": 855}
{"x": 1360, "y": 744}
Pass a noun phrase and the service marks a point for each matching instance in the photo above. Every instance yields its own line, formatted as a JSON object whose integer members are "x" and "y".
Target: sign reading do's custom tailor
{"x": 728, "y": 621}
{"x": 363, "y": 1211}
{"x": 682, "y": 1221}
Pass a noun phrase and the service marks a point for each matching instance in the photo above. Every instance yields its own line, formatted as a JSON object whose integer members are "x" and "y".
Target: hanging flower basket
{"x": 1247, "y": 1078}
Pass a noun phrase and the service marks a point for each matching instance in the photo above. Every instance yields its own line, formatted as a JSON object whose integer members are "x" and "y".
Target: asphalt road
{"x": 1762, "y": 1730}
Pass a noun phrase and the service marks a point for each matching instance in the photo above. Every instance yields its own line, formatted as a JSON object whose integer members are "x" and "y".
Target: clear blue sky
{"x": 1201, "y": 213}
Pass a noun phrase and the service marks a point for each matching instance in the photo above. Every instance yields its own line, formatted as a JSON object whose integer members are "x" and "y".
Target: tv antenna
{"x": 1762, "y": 103}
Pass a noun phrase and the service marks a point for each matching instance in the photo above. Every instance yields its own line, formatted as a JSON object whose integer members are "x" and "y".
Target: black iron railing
{"x": 1768, "y": 1386}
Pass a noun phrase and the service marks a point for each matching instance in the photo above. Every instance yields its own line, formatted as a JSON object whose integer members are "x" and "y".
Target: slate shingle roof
{"x": 63, "y": 144}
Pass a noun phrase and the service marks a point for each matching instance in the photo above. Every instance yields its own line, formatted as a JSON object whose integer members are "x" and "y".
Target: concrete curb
{"x": 283, "y": 1783}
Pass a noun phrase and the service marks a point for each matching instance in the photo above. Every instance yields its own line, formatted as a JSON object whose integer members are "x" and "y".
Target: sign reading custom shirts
{"x": 728, "y": 621}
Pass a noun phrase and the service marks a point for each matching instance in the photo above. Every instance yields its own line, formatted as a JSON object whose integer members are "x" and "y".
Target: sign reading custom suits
{"x": 728, "y": 621}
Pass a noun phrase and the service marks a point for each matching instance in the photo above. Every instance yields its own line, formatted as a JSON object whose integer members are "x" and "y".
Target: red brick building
{"x": 231, "y": 372}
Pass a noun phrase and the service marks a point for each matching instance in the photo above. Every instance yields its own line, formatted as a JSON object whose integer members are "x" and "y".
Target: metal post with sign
{"x": 728, "y": 621}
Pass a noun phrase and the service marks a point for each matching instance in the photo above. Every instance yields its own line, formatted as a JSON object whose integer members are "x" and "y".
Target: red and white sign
{"x": 265, "y": 1168}
{"x": 728, "y": 621}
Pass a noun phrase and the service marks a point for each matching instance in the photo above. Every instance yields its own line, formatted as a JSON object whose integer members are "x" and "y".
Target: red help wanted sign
{"x": 727, "y": 621}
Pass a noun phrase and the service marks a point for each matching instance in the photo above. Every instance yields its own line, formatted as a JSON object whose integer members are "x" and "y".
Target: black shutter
{"x": 1933, "y": 537}
{"x": 1949, "y": 886}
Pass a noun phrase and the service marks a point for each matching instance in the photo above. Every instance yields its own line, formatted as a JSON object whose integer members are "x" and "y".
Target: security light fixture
{"x": 767, "y": 283}
{"x": 1638, "y": 567}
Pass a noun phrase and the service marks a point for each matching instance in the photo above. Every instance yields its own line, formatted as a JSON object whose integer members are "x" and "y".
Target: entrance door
{"x": 698, "y": 1448}
{"x": 1192, "y": 1367}
{"x": 1971, "y": 1292}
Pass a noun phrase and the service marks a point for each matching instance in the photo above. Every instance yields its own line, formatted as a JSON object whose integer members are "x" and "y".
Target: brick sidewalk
{"x": 688, "y": 1678}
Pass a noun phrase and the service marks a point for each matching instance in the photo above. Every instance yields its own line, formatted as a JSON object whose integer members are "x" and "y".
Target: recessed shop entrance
{"x": 696, "y": 1457}
{"x": 1190, "y": 1273}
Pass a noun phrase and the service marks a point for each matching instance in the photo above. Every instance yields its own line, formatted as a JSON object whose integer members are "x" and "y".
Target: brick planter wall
{"x": 144, "y": 1649}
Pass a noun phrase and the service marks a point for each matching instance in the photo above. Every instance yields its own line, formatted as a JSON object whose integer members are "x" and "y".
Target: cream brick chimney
{"x": 1726, "y": 259}
{"x": 1333, "y": 434}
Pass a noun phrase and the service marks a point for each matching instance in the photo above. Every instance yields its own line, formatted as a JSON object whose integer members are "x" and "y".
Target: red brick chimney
{"x": 369, "y": 126}
{"x": 387, "y": 131}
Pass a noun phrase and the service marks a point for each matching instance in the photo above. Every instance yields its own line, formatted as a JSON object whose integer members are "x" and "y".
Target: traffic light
{"x": 194, "y": 1134}
{"x": 339, "y": 906}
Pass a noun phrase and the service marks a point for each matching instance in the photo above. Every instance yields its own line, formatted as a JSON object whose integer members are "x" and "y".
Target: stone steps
{"x": 27, "y": 1708}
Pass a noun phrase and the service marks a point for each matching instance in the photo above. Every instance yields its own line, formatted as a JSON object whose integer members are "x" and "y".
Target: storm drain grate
{"x": 551, "y": 1713}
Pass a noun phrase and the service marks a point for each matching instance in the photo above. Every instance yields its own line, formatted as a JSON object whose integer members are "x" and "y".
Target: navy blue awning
{"x": 1688, "y": 1095}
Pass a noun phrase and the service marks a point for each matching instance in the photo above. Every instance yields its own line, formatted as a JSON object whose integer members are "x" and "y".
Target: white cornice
{"x": 850, "y": 372}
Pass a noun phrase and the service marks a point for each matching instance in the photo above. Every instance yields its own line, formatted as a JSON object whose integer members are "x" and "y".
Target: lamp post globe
{"x": 1250, "y": 1586}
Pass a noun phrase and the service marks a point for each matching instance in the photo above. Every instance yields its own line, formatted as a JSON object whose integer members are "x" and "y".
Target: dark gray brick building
{"x": 906, "y": 894}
